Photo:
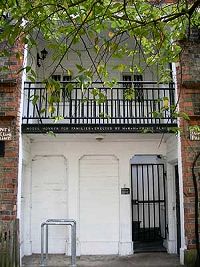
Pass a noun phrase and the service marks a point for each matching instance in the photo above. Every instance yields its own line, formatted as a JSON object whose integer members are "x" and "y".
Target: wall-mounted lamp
{"x": 41, "y": 56}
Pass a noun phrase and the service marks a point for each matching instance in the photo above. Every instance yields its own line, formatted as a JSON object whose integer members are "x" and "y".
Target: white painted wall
{"x": 25, "y": 220}
{"x": 69, "y": 62}
{"x": 95, "y": 173}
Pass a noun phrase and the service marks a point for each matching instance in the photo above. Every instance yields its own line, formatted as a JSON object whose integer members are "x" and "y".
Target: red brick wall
{"x": 10, "y": 93}
{"x": 189, "y": 90}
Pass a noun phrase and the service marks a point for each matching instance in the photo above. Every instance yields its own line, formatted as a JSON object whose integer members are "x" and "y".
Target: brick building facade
{"x": 189, "y": 95}
{"x": 189, "y": 91}
{"x": 10, "y": 98}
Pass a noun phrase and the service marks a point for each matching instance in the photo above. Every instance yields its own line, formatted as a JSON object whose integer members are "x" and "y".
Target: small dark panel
{"x": 125, "y": 191}
{"x": 196, "y": 104}
{"x": 2, "y": 148}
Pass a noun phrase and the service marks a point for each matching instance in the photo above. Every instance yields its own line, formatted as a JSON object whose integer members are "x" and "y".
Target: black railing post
{"x": 28, "y": 104}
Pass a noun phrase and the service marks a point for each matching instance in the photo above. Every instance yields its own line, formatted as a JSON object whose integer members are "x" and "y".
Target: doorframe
{"x": 164, "y": 195}
{"x": 35, "y": 157}
{"x": 171, "y": 244}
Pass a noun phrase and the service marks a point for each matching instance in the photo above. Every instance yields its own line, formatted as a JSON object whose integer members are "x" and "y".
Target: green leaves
{"x": 80, "y": 68}
{"x": 53, "y": 94}
{"x": 57, "y": 119}
{"x": 182, "y": 115}
{"x": 34, "y": 99}
{"x": 120, "y": 67}
{"x": 194, "y": 129}
{"x": 99, "y": 96}
{"x": 154, "y": 28}
{"x": 129, "y": 94}
{"x": 102, "y": 37}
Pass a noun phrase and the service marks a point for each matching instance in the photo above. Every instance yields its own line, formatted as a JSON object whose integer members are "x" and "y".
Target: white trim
{"x": 182, "y": 219}
{"x": 171, "y": 209}
{"x": 19, "y": 178}
{"x": 20, "y": 137}
{"x": 180, "y": 170}
{"x": 125, "y": 248}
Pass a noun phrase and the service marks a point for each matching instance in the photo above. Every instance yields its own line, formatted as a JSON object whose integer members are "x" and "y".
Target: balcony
{"x": 127, "y": 107}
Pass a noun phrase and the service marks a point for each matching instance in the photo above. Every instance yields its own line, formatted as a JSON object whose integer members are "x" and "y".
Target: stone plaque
{"x": 194, "y": 136}
{"x": 5, "y": 134}
{"x": 125, "y": 191}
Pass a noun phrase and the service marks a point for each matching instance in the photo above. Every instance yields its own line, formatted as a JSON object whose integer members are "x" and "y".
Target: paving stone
{"x": 136, "y": 260}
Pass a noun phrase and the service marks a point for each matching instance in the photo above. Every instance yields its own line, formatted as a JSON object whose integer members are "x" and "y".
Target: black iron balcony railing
{"x": 126, "y": 107}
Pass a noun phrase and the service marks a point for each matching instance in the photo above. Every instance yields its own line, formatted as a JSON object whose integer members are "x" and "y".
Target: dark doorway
{"x": 177, "y": 210}
{"x": 148, "y": 207}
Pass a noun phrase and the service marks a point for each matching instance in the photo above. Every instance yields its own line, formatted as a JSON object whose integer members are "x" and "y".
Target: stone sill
{"x": 6, "y": 81}
{"x": 195, "y": 117}
{"x": 7, "y": 117}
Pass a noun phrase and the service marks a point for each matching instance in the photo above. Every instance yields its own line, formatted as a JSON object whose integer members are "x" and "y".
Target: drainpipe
{"x": 195, "y": 184}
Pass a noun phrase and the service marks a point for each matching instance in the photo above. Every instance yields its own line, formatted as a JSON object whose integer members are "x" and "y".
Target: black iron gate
{"x": 148, "y": 202}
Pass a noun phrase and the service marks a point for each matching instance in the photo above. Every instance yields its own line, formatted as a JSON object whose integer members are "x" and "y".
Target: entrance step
{"x": 154, "y": 246}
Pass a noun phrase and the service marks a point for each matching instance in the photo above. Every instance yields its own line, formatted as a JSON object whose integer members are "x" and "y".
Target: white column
{"x": 171, "y": 209}
{"x": 183, "y": 244}
{"x": 125, "y": 243}
{"x": 27, "y": 199}
{"x": 73, "y": 197}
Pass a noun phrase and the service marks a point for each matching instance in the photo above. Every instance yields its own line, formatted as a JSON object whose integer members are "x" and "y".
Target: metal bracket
{"x": 135, "y": 201}
{"x": 44, "y": 238}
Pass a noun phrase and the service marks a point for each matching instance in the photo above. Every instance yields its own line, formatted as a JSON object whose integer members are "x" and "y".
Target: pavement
{"x": 155, "y": 259}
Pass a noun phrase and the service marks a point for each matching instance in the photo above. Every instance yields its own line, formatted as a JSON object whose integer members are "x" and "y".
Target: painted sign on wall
{"x": 5, "y": 134}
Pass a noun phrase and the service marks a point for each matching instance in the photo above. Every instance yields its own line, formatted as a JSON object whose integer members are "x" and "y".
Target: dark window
{"x": 2, "y": 148}
{"x": 56, "y": 77}
{"x": 127, "y": 80}
{"x": 63, "y": 78}
{"x": 138, "y": 87}
{"x": 67, "y": 78}
{"x": 139, "y": 93}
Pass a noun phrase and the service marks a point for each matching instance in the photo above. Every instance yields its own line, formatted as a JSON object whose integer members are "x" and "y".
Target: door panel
{"x": 99, "y": 200}
{"x": 49, "y": 201}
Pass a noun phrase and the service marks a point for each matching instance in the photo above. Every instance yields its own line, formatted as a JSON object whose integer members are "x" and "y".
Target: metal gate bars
{"x": 44, "y": 239}
{"x": 148, "y": 202}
